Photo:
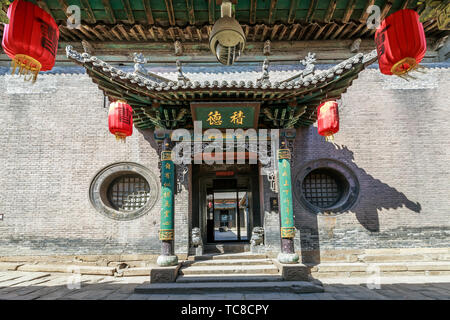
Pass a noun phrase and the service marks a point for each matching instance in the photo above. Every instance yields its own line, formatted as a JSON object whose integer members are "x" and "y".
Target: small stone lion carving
{"x": 257, "y": 236}
{"x": 196, "y": 237}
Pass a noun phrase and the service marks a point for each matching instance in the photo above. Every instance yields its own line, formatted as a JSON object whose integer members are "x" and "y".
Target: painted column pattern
{"x": 285, "y": 192}
{"x": 167, "y": 197}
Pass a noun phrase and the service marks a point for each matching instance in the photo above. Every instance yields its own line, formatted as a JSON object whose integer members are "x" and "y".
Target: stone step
{"x": 229, "y": 262}
{"x": 258, "y": 269}
{"x": 245, "y": 255}
{"x": 335, "y": 270}
{"x": 227, "y": 248}
{"x": 228, "y": 278}
{"x": 202, "y": 287}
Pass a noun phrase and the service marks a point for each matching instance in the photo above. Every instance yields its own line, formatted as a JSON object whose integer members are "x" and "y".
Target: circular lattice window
{"x": 326, "y": 187}
{"x": 124, "y": 191}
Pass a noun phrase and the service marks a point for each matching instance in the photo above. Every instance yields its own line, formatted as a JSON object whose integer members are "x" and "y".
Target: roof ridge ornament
{"x": 181, "y": 76}
{"x": 139, "y": 69}
{"x": 265, "y": 71}
{"x": 308, "y": 62}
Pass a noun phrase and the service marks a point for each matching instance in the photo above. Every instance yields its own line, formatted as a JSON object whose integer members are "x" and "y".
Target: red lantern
{"x": 328, "y": 119}
{"x": 401, "y": 43}
{"x": 120, "y": 119}
{"x": 30, "y": 39}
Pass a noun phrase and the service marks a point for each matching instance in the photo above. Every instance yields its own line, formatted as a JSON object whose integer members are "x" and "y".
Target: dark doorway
{"x": 228, "y": 212}
{"x": 225, "y": 208}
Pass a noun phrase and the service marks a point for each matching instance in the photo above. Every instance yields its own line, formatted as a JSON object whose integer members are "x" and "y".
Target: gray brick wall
{"x": 55, "y": 138}
{"x": 396, "y": 142}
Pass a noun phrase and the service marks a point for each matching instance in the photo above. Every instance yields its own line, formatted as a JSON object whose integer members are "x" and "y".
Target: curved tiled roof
{"x": 159, "y": 99}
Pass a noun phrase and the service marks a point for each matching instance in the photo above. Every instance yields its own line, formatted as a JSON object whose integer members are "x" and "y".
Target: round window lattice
{"x": 326, "y": 187}
{"x": 124, "y": 191}
{"x": 321, "y": 189}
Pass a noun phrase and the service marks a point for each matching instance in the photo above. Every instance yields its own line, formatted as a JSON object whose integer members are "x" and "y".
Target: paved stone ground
{"x": 16, "y": 285}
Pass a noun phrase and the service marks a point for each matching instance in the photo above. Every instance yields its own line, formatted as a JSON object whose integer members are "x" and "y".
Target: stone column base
{"x": 167, "y": 261}
{"x": 288, "y": 258}
{"x": 293, "y": 272}
{"x": 164, "y": 274}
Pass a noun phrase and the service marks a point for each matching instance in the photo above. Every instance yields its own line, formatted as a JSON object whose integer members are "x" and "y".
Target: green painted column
{"x": 166, "y": 230}
{"x": 287, "y": 254}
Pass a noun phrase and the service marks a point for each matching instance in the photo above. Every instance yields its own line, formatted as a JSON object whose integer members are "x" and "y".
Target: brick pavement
{"x": 15, "y": 285}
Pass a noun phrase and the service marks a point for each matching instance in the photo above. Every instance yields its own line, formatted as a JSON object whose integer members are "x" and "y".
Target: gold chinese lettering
{"x": 214, "y": 118}
{"x": 237, "y": 117}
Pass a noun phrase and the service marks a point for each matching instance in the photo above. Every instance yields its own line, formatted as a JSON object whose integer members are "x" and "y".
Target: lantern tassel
{"x": 120, "y": 137}
{"x": 329, "y": 138}
{"x": 28, "y": 67}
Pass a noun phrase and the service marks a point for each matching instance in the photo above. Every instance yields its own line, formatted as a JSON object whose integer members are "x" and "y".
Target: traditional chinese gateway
{"x": 282, "y": 191}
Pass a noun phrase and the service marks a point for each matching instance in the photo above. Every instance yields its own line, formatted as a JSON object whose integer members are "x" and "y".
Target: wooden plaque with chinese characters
{"x": 226, "y": 115}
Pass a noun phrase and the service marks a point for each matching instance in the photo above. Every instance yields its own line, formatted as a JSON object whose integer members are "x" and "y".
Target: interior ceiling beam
{"x": 88, "y": 10}
{"x": 365, "y": 14}
{"x": 211, "y": 9}
{"x": 312, "y": 8}
{"x": 191, "y": 11}
{"x": 148, "y": 11}
{"x": 253, "y": 4}
{"x": 109, "y": 11}
{"x": 127, "y": 7}
{"x": 287, "y": 52}
{"x": 170, "y": 12}
{"x": 348, "y": 11}
{"x": 292, "y": 11}
{"x": 330, "y": 11}
{"x": 273, "y": 4}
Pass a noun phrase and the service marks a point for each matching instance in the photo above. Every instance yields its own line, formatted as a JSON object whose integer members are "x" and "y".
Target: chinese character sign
{"x": 286, "y": 208}
{"x": 226, "y": 115}
{"x": 167, "y": 195}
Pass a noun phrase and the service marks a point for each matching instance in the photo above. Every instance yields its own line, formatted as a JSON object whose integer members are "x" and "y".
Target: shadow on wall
{"x": 374, "y": 195}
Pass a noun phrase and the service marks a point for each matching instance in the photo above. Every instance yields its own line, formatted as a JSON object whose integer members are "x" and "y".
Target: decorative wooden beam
{"x": 330, "y": 11}
{"x": 405, "y": 4}
{"x": 253, "y": 11}
{"x": 95, "y": 32}
{"x": 148, "y": 11}
{"x": 365, "y": 14}
{"x": 273, "y": 4}
{"x": 86, "y": 33}
{"x": 385, "y": 10}
{"x": 348, "y": 11}
{"x": 109, "y": 11}
{"x": 104, "y": 31}
{"x": 170, "y": 12}
{"x": 191, "y": 11}
{"x": 123, "y": 31}
{"x": 292, "y": 11}
{"x": 141, "y": 31}
{"x": 127, "y": 7}
{"x": 211, "y": 8}
{"x": 312, "y": 8}
{"x": 64, "y": 6}
{"x": 89, "y": 12}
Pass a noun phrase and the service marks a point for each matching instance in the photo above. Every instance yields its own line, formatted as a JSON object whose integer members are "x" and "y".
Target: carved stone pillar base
{"x": 288, "y": 258}
{"x": 167, "y": 261}
{"x": 294, "y": 272}
{"x": 164, "y": 274}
